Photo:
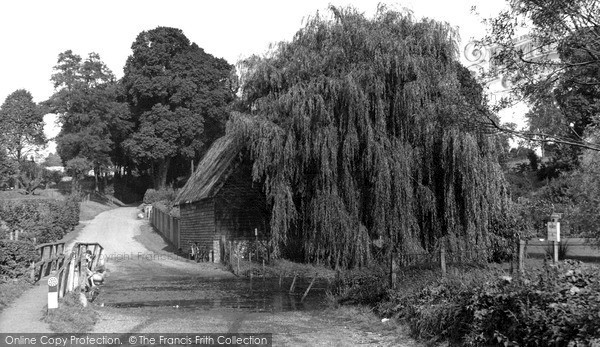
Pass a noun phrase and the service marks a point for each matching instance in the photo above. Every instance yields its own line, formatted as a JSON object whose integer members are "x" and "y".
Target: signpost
{"x": 52, "y": 292}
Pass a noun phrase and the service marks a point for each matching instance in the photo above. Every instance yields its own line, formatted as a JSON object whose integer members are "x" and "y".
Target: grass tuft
{"x": 71, "y": 316}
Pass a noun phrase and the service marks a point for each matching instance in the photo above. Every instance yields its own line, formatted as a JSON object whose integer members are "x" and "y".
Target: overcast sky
{"x": 34, "y": 32}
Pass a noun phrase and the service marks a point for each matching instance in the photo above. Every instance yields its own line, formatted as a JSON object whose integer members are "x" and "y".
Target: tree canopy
{"x": 178, "y": 95}
{"x": 366, "y": 129}
{"x": 86, "y": 100}
{"x": 21, "y": 125}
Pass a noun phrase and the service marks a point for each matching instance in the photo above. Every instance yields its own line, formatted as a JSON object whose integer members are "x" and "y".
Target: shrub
{"x": 16, "y": 257}
{"x": 364, "y": 286}
{"x": 151, "y": 196}
{"x": 551, "y": 306}
{"x": 46, "y": 220}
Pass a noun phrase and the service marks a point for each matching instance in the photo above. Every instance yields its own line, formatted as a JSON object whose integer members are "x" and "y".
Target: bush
{"x": 553, "y": 306}
{"x": 46, "y": 220}
{"x": 364, "y": 286}
{"x": 16, "y": 257}
{"x": 152, "y": 195}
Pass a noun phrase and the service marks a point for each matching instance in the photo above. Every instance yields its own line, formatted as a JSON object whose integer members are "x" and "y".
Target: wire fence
{"x": 515, "y": 255}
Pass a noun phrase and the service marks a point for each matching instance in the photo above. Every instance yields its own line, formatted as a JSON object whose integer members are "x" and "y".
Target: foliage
{"x": 556, "y": 70}
{"x": 21, "y": 124}
{"x": 30, "y": 176}
{"x": 92, "y": 117}
{"x": 78, "y": 168}
{"x": 552, "y": 306}
{"x": 52, "y": 176}
{"x": 363, "y": 286}
{"x": 366, "y": 128}
{"x": 46, "y": 220}
{"x": 52, "y": 159}
{"x": 16, "y": 258}
{"x": 151, "y": 196}
{"x": 8, "y": 169}
{"x": 178, "y": 95}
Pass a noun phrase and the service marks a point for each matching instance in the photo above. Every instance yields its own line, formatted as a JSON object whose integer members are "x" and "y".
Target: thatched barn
{"x": 220, "y": 202}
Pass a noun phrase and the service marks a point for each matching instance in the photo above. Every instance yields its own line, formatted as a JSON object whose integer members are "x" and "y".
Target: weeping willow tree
{"x": 364, "y": 132}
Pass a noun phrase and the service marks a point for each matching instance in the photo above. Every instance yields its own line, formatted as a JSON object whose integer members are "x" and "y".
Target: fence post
{"x": 521, "y": 257}
{"x": 443, "y": 259}
{"x": 293, "y": 284}
{"x": 71, "y": 274}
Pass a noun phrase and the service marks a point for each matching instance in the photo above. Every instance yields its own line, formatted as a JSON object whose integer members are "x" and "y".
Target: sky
{"x": 34, "y": 32}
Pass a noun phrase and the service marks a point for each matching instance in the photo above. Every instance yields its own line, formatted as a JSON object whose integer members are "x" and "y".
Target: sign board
{"x": 554, "y": 231}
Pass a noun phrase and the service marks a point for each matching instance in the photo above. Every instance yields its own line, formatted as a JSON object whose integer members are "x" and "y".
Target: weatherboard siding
{"x": 240, "y": 207}
{"x": 197, "y": 224}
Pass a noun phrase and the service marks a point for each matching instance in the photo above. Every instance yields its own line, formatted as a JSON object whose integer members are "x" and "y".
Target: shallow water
{"x": 257, "y": 295}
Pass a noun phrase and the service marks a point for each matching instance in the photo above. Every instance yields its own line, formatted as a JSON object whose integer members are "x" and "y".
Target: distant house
{"x": 220, "y": 202}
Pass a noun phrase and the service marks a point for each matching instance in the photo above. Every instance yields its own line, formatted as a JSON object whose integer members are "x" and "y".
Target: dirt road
{"x": 156, "y": 291}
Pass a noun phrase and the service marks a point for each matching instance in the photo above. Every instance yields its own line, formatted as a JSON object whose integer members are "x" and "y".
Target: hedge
{"x": 16, "y": 257}
{"x": 46, "y": 220}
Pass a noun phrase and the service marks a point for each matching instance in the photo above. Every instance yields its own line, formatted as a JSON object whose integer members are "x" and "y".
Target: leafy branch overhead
{"x": 556, "y": 70}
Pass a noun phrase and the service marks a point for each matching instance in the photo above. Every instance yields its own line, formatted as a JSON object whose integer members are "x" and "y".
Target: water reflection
{"x": 259, "y": 295}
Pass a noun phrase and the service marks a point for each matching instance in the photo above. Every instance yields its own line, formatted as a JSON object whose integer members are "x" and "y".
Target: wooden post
{"x": 308, "y": 289}
{"x": 443, "y": 259}
{"x": 391, "y": 269}
{"x": 280, "y": 278}
{"x": 521, "y": 257}
{"x": 71, "y": 274}
{"x": 10, "y": 236}
{"x": 256, "y": 242}
{"x": 293, "y": 284}
{"x": 32, "y": 274}
{"x": 263, "y": 274}
{"x": 17, "y": 235}
{"x": 101, "y": 259}
{"x": 555, "y": 251}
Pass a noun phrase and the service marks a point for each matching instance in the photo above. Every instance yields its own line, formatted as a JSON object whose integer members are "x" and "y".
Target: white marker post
{"x": 554, "y": 234}
{"x": 52, "y": 292}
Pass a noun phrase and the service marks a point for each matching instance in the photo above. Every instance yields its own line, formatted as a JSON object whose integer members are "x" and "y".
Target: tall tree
{"x": 367, "y": 129}
{"x": 178, "y": 95}
{"x": 21, "y": 125}
{"x": 86, "y": 100}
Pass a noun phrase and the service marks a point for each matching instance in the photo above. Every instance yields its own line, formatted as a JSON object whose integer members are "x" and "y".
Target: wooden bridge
{"x": 69, "y": 269}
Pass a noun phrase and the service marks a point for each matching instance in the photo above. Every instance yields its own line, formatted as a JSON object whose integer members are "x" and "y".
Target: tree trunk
{"x": 160, "y": 175}
{"x": 96, "y": 169}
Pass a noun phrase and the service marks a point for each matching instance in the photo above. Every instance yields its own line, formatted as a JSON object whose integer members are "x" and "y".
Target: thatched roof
{"x": 212, "y": 172}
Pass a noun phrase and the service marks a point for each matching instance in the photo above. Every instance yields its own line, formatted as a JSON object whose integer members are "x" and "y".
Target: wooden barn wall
{"x": 197, "y": 224}
{"x": 240, "y": 207}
